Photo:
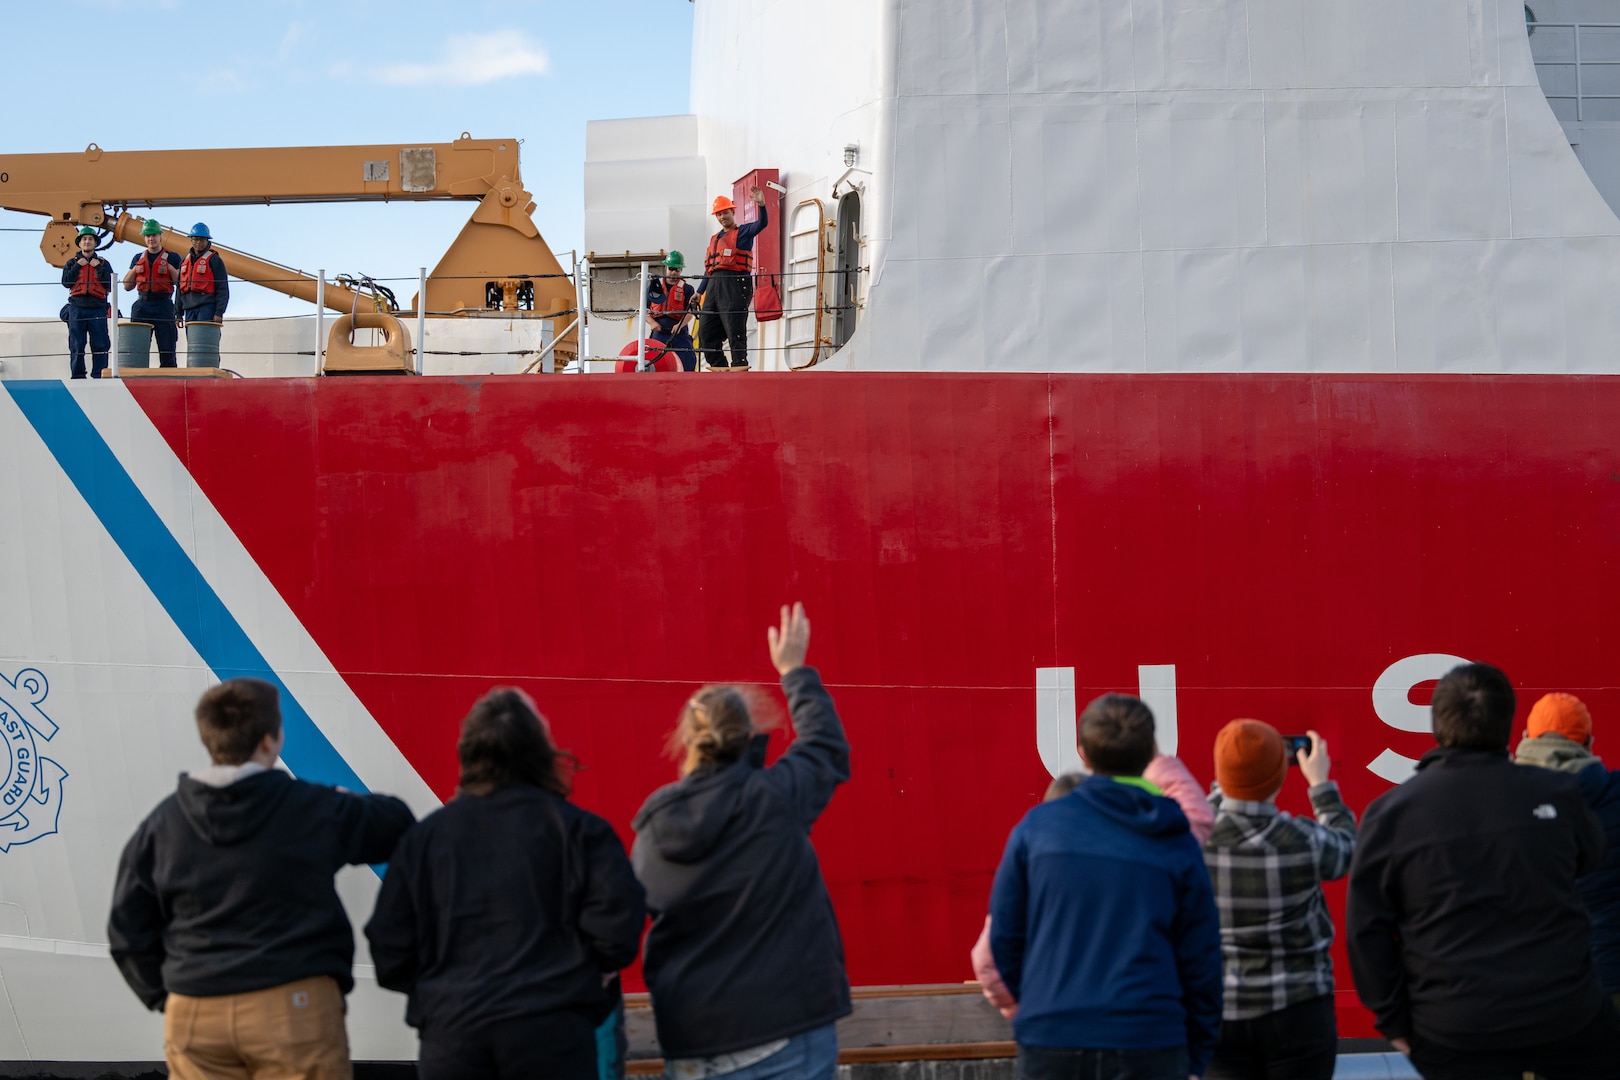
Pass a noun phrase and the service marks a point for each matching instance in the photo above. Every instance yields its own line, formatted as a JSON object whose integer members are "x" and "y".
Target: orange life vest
{"x": 673, "y": 305}
{"x": 197, "y": 275}
{"x": 154, "y": 273}
{"x": 89, "y": 283}
{"x": 724, "y": 254}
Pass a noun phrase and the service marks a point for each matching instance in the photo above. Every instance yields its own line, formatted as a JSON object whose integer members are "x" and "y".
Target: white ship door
{"x": 846, "y": 281}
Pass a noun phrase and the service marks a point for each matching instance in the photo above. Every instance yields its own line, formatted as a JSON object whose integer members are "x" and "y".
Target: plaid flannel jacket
{"x": 1267, "y": 868}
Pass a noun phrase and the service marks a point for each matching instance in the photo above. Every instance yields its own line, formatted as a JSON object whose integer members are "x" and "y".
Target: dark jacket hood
{"x": 1462, "y": 756}
{"x": 230, "y": 815}
{"x": 685, "y": 820}
{"x": 1132, "y": 807}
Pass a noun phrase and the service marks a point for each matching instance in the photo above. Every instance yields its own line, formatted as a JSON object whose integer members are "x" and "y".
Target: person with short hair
{"x": 88, "y": 280}
{"x": 224, "y": 915}
{"x": 1268, "y": 866}
{"x": 1102, "y": 921}
{"x": 1467, "y": 936}
{"x": 743, "y": 959}
{"x": 1167, "y": 773}
{"x": 507, "y": 914}
{"x": 1558, "y": 736}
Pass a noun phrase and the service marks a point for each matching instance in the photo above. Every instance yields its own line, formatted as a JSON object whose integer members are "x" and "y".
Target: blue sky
{"x": 296, "y": 73}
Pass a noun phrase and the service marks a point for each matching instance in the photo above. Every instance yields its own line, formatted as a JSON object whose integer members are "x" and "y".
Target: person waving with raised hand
{"x": 744, "y": 960}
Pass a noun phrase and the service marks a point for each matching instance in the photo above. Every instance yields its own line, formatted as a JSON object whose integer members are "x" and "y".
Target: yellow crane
{"x": 498, "y": 263}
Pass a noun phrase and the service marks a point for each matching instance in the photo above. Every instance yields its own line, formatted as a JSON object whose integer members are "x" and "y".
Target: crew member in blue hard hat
{"x": 204, "y": 288}
{"x": 728, "y": 284}
{"x": 669, "y": 305}
{"x": 88, "y": 280}
{"x": 153, "y": 277}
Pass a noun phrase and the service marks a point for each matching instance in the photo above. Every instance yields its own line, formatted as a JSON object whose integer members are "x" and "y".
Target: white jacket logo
{"x": 1546, "y": 811}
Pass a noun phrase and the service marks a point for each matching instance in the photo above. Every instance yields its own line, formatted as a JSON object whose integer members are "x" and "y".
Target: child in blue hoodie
{"x": 1103, "y": 922}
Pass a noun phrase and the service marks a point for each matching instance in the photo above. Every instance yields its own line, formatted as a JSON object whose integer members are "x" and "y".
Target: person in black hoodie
{"x": 1466, "y": 932}
{"x": 224, "y": 914}
{"x": 507, "y": 914}
{"x": 744, "y": 960}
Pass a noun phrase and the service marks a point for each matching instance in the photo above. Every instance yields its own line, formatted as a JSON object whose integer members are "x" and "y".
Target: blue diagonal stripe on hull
{"x": 167, "y": 570}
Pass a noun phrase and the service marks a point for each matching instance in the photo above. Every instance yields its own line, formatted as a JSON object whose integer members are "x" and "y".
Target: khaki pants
{"x": 289, "y": 1032}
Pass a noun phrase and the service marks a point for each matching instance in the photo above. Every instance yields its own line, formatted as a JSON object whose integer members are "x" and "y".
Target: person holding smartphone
{"x": 1267, "y": 867}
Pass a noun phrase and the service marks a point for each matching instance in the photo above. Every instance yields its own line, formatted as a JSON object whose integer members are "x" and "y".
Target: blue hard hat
{"x": 201, "y": 230}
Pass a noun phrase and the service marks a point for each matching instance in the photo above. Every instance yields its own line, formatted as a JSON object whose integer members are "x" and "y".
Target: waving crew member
{"x": 729, "y": 284}
{"x": 204, "y": 288}
{"x": 153, "y": 277}
{"x": 88, "y": 280}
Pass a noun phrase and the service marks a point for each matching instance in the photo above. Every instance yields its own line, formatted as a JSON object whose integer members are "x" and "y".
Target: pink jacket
{"x": 1170, "y": 776}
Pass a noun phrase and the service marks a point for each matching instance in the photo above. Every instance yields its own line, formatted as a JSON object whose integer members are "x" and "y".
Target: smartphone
{"x": 1295, "y": 744}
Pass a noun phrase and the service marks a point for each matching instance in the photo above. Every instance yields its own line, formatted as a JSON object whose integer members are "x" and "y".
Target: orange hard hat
{"x": 721, "y": 203}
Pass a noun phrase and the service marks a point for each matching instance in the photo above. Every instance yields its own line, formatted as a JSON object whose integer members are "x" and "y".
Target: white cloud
{"x": 473, "y": 60}
{"x": 296, "y": 33}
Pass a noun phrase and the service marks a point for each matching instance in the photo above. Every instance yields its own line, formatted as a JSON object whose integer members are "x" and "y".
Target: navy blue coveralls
{"x": 157, "y": 308}
{"x": 87, "y": 317}
{"x": 658, "y": 293}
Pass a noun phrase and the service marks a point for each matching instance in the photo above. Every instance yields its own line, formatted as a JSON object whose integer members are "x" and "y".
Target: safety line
{"x": 168, "y": 571}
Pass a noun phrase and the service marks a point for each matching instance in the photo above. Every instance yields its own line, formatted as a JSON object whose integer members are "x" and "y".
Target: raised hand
{"x": 789, "y": 643}
{"x": 757, "y": 195}
{"x": 1314, "y": 762}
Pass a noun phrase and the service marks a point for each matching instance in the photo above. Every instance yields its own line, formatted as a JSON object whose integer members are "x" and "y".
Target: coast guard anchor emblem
{"x": 31, "y": 798}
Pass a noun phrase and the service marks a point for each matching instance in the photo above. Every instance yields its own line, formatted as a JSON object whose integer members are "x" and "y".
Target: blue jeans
{"x": 1039, "y": 1063}
{"x": 86, "y": 322}
{"x": 811, "y": 1056}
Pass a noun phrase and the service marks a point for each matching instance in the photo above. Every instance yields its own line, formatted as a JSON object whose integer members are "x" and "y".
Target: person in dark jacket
{"x": 1103, "y": 923}
{"x": 507, "y": 914}
{"x": 1559, "y": 736}
{"x": 153, "y": 276}
{"x": 744, "y": 959}
{"x": 728, "y": 284}
{"x": 224, "y": 915}
{"x": 669, "y": 305}
{"x": 205, "y": 288}
{"x": 1467, "y": 936}
{"x": 88, "y": 279}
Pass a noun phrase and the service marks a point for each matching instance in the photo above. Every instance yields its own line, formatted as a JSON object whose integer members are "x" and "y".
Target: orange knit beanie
{"x": 1250, "y": 760}
{"x": 1562, "y": 713}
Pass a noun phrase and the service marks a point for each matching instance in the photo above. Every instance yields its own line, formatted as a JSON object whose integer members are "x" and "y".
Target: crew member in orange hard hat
{"x": 728, "y": 285}
{"x": 88, "y": 280}
{"x": 153, "y": 277}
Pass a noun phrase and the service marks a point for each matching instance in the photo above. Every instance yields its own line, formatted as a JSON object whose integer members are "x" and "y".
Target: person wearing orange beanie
{"x": 1559, "y": 736}
{"x": 1268, "y": 867}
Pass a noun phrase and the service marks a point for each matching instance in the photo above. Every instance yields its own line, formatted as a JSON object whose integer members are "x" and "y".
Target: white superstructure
{"x": 1172, "y": 185}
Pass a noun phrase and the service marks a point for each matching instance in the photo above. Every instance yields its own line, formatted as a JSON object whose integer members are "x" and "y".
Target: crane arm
{"x": 77, "y": 188}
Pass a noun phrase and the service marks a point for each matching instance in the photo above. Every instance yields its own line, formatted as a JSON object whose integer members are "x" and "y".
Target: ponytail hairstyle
{"x": 504, "y": 740}
{"x": 715, "y": 728}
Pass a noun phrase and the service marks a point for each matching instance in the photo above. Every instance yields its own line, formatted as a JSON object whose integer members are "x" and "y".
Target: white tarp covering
{"x": 1183, "y": 185}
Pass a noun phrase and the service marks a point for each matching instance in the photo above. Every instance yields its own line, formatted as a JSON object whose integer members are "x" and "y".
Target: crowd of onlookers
{"x": 1137, "y": 927}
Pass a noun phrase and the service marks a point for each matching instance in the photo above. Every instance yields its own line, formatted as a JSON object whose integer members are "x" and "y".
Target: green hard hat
{"x": 675, "y": 261}
{"x": 151, "y": 228}
{"x": 88, "y": 231}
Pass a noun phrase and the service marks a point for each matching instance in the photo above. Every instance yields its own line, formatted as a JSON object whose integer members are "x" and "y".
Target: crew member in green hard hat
{"x": 88, "y": 279}
{"x": 669, "y": 305}
{"x": 204, "y": 288}
{"x": 153, "y": 277}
